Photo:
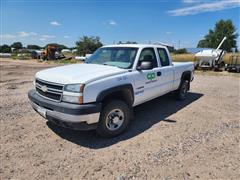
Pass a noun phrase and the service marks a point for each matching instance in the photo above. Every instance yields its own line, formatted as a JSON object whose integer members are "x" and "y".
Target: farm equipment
{"x": 212, "y": 58}
{"x": 51, "y": 53}
{"x": 36, "y": 54}
{"x": 234, "y": 64}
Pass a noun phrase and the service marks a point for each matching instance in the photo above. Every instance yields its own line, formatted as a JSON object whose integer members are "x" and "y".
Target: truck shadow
{"x": 146, "y": 115}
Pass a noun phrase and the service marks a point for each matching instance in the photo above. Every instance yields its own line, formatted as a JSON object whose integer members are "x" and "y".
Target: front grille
{"x": 49, "y": 90}
{"x": 49, "y": 84}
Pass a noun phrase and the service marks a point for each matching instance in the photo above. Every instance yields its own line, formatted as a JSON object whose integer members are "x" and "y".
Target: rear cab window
{"x": 163, "y": 56}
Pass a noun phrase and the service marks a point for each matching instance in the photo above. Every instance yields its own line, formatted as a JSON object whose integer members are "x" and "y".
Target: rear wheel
{"x": 181, "y": 93}
{"x": 114, "y": 118}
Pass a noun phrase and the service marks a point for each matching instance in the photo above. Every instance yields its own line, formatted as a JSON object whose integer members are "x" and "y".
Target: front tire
{"x": 114, "y": 118}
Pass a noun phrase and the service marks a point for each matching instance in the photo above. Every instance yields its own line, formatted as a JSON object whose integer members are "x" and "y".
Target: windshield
{"x": 122, "y": 57}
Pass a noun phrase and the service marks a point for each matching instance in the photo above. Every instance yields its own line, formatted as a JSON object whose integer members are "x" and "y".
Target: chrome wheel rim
{"x": 115, "y": 119}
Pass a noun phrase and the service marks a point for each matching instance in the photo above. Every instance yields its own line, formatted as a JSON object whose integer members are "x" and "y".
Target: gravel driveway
{"x": 168, "y": 139}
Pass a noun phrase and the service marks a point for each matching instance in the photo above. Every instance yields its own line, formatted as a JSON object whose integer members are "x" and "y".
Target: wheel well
{"x": 124, "y": 95}
{"x": 122, "y": 92}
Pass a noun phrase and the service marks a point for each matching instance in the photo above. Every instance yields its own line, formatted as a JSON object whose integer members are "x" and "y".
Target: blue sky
{"x": 61, "y": 21}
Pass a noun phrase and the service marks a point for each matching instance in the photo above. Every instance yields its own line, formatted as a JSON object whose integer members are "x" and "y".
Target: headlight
{"x": 73, "y": 93}
{"x": 77, "y": 88}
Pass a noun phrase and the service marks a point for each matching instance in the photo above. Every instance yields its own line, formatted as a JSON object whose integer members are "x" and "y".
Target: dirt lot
{"x": 195, "y": 138}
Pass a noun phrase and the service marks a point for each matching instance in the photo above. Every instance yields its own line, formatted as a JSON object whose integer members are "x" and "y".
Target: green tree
{"x": 32, "y": 46}
{"x": 131, "y": 42}
{"x": 5, "y": 48}
{"x": 17, "y": 45}
{"x": 127, "y": 42}
{"x": 180, "y": 51}
{"x": 170, "y": 49}
{"x": 87, "y": 45}
{"x": 214, "y": 37}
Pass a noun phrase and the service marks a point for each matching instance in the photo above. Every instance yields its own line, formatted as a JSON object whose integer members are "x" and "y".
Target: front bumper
{"x": 74, "y": 116}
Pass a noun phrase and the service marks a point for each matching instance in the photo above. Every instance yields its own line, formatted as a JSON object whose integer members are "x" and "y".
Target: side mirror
{"x": 144, "y": 65}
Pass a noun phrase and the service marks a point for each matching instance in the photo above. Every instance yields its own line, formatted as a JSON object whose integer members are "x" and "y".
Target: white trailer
{"x": 212, "y": 58}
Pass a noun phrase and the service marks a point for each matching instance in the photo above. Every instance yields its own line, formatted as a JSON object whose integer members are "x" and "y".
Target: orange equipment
{"x": 49, "y": 53}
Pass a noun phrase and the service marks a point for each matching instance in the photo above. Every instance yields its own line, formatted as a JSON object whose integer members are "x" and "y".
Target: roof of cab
{"x": 135, "y": 45}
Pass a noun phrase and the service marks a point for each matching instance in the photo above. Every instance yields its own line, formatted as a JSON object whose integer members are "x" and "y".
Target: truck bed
{"x": 179, "y": 68}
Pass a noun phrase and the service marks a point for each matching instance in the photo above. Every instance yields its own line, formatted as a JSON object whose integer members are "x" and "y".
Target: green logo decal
{"x": 151, "y": 76}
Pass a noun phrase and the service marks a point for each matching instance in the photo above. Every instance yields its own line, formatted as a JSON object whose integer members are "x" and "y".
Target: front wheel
{"x": 114, "y": 118}
{"x": 181, "y": 93}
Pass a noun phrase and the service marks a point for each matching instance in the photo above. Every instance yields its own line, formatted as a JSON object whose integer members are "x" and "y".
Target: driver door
{"x": 146, "y": 81}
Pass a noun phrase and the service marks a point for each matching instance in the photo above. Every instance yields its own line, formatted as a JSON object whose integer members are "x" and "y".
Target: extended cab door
{"x": 166, "y": 79}
{"x": 146, "y": 82}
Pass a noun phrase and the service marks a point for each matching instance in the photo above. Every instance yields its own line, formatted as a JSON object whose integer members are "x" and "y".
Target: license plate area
{"x": 42, "y": 111}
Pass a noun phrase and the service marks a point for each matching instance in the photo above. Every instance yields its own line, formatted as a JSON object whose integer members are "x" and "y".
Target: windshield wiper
{"x": 106, "y": 64}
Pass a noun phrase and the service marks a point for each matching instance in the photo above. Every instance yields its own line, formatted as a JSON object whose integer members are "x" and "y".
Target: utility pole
{"x": 179, "y": 42}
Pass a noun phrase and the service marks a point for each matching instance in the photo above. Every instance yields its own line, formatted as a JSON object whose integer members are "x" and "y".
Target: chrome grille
{"x": 49, "y": 90}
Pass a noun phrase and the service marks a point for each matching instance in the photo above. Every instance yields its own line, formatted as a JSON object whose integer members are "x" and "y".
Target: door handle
{"x": 159, "y": 73}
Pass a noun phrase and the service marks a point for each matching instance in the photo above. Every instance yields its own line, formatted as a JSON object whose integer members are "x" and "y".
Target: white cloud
{"x": 46, "y": 37}
{"x": 55, "y": 23}
{"x": 42, "y": 39}
{"x": 66, "y": 37}
{"x": 7, "y": 36}
{"x": 112, "y": 23}
{"x": 198, "y": 1}
{"x": 26, "y": 34}
{"x": 205, "y": 7}
{"x": 188, "y": 1}
{"x": 168, "y": 32}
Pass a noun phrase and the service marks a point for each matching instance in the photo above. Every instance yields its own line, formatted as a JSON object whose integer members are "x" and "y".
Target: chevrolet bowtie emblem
{"x": 44, "y": 88}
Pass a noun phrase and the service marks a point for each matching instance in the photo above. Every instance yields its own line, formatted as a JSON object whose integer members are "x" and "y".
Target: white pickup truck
{"x": 101, "y": 93}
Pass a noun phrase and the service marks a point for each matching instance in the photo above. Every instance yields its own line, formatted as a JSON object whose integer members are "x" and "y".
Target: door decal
{"x": 151, "y": 78}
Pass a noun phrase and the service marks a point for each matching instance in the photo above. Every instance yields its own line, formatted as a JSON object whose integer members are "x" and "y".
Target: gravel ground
{"x": 168, "y": 139}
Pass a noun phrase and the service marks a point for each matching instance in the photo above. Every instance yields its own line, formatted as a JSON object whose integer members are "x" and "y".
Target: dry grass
{"x": 183, "y": 57}
{"x": 191, "y": 57}
{"x": 227, "y": 57}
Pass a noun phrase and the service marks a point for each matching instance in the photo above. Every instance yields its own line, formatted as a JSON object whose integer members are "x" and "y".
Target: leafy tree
{"x": 127, "y": 42}
{"x": 214, "y": 37}
{"x": 71, "y": 48}
{"x": 131, "y": 42}
{"x": 5, "y": 48}
{"x": 171, "y": 49}
{"x": 17, "y": 45}
{"x": 180, "y": 51}
{"x": 32, "y": 46}
{"x": 59, "y": 47}
{"x": 87, "y": 45}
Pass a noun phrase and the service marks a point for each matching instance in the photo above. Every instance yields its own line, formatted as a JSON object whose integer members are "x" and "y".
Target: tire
{"x": 181, "y": 93}
{"x": 115, "y": 110}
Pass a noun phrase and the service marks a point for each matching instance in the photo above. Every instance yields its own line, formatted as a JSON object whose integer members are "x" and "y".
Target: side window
{"x": 163, "y": 57}
{"x": 148, "y": 54}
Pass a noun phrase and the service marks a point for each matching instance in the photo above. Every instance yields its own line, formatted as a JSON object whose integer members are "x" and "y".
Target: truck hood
{"x": 78, "y": 73}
